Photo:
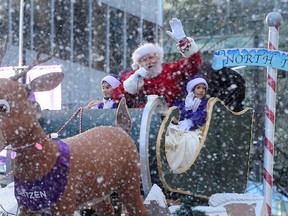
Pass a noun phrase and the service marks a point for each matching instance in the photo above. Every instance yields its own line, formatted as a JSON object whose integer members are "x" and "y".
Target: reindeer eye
{"x": 4, "y": 106}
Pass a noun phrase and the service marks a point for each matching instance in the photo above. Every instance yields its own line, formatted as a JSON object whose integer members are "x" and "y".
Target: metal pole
{"x": 20, "y": 60}
{"x": 107, "y": 39}
{"x": 31, "y": 24}
{"x": 124, "y": 59}
{"x": 90, "y": 30}
{"x": 52, "y": 25}
{"x": 141, "y": 23}
{"x": 71, "y": 31}
{"x": 273, "y": 20}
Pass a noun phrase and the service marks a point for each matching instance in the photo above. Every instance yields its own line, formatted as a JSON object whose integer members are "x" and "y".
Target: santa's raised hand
{"x": 177, "y": 33}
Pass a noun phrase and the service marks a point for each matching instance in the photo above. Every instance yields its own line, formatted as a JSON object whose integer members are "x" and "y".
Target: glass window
{"x": 80, "y": 32}
{"x": 133, "y": 37}
{"x": 4, "y": 19}
{"x": 116, "y": 40}
{"x": 15, "y": 22}
{"x": 62, "y": 25}
{"x": 98, "y": 35}
{"x": 42, "y": 29}
{"x": 149, "y": 31}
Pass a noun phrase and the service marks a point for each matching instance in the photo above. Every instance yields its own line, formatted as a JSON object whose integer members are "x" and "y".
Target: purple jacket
{"x": 198, "y": 118}
{"x": 101, "y": 105}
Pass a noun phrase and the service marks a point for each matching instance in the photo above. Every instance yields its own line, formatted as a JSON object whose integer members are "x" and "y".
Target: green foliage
{"x": 187, "y": 207}
{"x": 185, "y": 210}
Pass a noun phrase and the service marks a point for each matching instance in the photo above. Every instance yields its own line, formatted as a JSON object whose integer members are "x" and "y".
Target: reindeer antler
{"x": 35, "y": 62}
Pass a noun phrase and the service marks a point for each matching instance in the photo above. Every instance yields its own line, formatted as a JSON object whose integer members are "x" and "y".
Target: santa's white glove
{"x": 177, "y": 33}
{"x": 185, "y": 124}
{"x": 141, "y": 72}
{"x": 136, "y": 81}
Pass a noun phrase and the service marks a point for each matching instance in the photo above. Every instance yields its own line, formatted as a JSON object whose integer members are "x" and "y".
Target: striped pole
{"x": 273, "y": 20}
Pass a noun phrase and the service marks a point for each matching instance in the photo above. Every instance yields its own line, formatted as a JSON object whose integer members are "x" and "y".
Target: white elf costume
{"x": 107, "y": 103}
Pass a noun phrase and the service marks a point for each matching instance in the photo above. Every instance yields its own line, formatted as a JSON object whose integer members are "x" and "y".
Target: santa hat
{"x": 112, "y": 80}
{"x": 194, "y": 82}
{"x": 145, "y": 49}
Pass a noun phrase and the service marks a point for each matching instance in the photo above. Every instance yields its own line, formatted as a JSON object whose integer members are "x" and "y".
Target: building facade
{"x": 89, "y": 38}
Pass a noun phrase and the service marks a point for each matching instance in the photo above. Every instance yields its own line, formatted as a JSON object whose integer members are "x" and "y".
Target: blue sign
{"x": 250, "y": 57}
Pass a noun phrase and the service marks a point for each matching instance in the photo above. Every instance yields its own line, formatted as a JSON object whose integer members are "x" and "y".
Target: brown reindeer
{"x": 59, "y": 177}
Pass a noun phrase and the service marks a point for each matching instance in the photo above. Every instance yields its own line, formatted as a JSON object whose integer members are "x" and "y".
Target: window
{"x": 149, "y": 31}
{"x": 42, "y": 29}
{"x": 116, "y": 40}
{"x": 80, "y": 32}
{"x": 98, "y": 35}
{"x": 4, "y": 19}
{"x": 133, "y": 37}
{"x": 62, "y": 25}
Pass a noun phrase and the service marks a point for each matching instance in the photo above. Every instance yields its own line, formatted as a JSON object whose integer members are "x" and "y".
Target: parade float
{"x": 219, "y": 171}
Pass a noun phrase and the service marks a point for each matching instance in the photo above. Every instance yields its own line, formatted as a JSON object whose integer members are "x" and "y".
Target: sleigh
{"x": 221, "y": 165}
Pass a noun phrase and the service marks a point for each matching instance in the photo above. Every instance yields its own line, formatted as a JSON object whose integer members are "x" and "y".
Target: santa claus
{"x": 151, "y": 77}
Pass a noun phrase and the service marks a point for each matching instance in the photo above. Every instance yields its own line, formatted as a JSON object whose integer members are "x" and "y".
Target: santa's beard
{"x": 153, "y": 70}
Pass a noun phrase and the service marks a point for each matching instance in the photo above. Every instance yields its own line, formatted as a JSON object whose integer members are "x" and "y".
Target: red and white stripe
{"x": 270, "y": 108}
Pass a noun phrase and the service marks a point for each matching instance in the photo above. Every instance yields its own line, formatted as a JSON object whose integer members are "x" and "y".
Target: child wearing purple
{"x": 183, "y": 140}
{"x": 193, "y": 112}
{"x": 108, "y": 83}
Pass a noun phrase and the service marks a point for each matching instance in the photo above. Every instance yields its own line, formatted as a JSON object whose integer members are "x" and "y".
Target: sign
{"x": 250, "y": 57}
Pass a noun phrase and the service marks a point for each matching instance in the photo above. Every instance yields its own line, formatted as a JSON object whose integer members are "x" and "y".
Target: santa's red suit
{"x": 170, "y": 83}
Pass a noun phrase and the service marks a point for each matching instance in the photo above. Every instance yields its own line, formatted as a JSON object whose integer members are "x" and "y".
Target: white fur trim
{"x": 133, "y": 84}
{"x": 192, "y": 49}
{"x": 145, "y": 49}
{"x": 191, "y": 84}
{"x": 112, "y": 81}
{"x": 223, "y": 198}
{"x": 135, "y": 66}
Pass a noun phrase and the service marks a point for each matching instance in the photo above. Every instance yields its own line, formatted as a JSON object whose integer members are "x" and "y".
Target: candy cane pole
{"x": 273, "y": 20}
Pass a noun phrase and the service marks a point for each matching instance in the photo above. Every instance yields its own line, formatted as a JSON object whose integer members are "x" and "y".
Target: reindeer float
{"x": 60, "y": 176}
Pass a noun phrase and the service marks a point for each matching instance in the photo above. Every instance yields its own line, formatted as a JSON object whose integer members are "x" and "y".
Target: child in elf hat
{"x": 183, "y": 140}
{"x": 193, "y": 112}
{"x": 108, "y": 83}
